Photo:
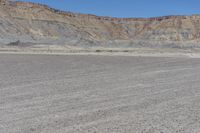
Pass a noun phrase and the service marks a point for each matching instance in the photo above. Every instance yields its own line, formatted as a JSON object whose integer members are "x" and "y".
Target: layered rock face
{"x": 39, "y": 24}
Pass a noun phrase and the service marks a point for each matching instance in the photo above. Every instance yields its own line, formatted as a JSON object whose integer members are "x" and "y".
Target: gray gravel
{"x": 102, "y": 94}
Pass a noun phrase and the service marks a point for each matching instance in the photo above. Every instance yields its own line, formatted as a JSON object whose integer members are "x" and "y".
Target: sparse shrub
{"x": 17, "y": 43}
{"x": 125, "y": 51}
{"x": 98, "y": 50}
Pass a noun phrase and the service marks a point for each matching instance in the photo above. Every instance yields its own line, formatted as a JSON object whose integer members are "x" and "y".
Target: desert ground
{"x": 99, "y": 94}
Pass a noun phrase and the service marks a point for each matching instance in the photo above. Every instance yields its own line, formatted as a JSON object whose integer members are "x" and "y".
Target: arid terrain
{"x": 35, "y": 25}
{"x": 53, "y": 79}
{"x": 102, "y": 94}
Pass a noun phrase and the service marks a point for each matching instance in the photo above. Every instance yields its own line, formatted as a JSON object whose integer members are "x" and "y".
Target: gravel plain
{"x": 99, "y": 94}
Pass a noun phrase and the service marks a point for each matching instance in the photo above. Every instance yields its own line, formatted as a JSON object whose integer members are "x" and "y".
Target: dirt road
{"x": 102, "y": 94}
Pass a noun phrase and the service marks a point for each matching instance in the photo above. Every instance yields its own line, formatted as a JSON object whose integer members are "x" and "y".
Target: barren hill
{"x": 39, "y": 24}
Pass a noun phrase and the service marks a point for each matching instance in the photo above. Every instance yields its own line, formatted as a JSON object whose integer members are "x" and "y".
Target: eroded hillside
{"x": 39, "y": 24}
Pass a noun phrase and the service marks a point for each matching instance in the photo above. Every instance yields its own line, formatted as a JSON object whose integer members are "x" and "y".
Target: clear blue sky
{"x": 126, "y": 8}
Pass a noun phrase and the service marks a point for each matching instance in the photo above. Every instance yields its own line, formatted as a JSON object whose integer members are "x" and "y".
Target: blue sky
{"x": 126, "y": 8}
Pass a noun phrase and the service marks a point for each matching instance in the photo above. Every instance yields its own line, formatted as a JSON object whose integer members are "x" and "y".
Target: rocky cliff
{"x": 39, "y": 24}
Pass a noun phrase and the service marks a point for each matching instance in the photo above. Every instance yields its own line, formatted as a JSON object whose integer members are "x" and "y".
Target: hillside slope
{"x": 38, "y": 24}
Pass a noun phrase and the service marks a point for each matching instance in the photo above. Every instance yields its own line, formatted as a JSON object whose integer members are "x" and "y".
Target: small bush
{"x": 17, "y": 43}
{"x": 98, "y": 50}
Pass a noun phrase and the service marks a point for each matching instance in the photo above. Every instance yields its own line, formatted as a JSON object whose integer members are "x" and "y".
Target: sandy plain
{"x": 102, "y": 94}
